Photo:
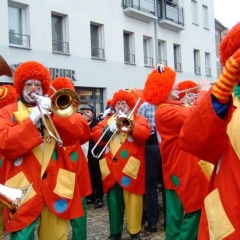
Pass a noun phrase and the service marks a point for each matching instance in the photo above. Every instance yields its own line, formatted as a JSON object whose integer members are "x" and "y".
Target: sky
{"x": 227, "y": 12}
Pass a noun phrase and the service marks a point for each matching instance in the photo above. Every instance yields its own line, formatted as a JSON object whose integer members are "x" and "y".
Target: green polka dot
{"x": 124, "y": 154}
{"x": 175, "y": 180}
{"x": 1, "y": 163}
{"x": 74, "y": 156}
{"x": 54, "y": 155}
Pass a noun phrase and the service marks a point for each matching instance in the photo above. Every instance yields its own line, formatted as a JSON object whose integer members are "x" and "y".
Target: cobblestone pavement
{"x": 98, "y": 226}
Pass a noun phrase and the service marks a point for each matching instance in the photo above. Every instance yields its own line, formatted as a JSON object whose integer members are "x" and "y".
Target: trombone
{"x": 123, "y": 124}
{"x": 64, "y": 103}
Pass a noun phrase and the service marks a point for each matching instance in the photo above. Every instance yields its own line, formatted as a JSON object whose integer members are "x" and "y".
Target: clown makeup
{"x": 122, "y": 106}
{"x": 30, "y": 87}
{"x": 174, "y": 93}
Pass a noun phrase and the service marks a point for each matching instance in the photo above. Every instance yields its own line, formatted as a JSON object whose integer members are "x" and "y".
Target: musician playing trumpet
{"x": 122, "y": 165}
{"x": 32, "y": 156}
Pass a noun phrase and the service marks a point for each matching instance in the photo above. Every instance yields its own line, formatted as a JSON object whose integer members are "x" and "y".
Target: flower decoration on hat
{"x": 31, "y": 70}
{"x": 159, "y": 84}
{"x": 123, "y": 95}
{"x": 8, "y": 95}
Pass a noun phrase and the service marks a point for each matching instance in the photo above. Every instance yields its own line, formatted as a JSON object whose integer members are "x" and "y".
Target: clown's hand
{"x": 121, "y": 115}
{"x": 229, "y": 78}
{"x": 44, "y": 102}
{"x": 36, "y": 115}
{"x": 113, "y": 127}
{"x": 204, "y": 85}
{"x": 106, "y": 112}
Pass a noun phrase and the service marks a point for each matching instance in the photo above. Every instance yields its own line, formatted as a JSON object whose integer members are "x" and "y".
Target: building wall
{"x": 111, "y": 74}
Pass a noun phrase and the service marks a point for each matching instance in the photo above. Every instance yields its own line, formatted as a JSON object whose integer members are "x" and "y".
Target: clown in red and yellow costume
{"x": 212, "y": 133}
{"x": 8, "y": 95}
{"x": 122, "y": 165}
{"x": 32, "y": 156}
{"x": 185, "y": 181}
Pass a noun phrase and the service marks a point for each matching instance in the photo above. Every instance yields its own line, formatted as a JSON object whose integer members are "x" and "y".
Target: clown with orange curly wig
{"x": 182, "y": 173}
{"x": 123, "y": 170}
{"x": 35, "y": 156}
{"x": 212, "y": 134}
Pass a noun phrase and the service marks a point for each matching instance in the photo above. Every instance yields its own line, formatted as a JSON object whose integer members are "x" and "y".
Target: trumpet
{"x": 13, "y": 198}
{"x": 123, "y": 125}
{"x": 64, "y": 103}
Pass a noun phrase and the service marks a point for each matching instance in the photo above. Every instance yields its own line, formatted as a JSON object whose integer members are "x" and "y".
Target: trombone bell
{"x": 65, "y": 102}
{"x": 12, "y": 198}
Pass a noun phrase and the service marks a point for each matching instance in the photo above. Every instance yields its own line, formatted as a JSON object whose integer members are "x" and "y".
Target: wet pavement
{"x": 98, "y": 225}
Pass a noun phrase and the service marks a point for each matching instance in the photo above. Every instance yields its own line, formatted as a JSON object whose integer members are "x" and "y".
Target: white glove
{"x": 113, "y": 127}
{"x": 121, "y": 115}
{"x": 35, "y": 115}
{"x": 44, "y": 102}
{"x": 106, "y": 112}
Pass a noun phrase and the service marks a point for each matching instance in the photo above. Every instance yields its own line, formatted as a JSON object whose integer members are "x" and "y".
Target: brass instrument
{"x": 123, "y": 125}
{"x": 4, "y": 68}
{"x": 12, "y": 198}
{"x": 64, "y": 103}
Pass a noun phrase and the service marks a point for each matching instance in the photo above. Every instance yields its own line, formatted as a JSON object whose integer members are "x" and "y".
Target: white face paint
{"x": 122, "y": 106}
{"x": 30, "y": 87}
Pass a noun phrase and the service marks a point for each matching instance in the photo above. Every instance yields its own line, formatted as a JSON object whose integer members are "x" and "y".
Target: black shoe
{"x": 151, "y": 228}
{"x": 90, "y": 200}
{"x": 115, "y": 237}
{"x": 135, "y": 236}
{"x": 98, "y": 203}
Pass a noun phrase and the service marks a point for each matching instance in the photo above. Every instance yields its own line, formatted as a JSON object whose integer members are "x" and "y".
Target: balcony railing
{"x": 178, "y": 66}
{"x": 197, "y": 70}
{"x": 60, "y": 47}
{"x": 98, "y": 53}
{"x": 208, "y": 72}
{"x": 161, "y": 61}
{"x": 148, "y": 61}
{"x": 19, "y": 39}
{"x": 129, "y": 58}
{"x": 170, "y": 15}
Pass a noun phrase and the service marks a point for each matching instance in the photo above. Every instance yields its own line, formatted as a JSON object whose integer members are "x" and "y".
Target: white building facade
{"x": 107, "y": 45}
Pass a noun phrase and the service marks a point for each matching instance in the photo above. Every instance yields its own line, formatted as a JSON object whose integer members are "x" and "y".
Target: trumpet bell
{"x": 4, "y": 68}
{"x": 12, "y": 198}
{"x": 65, "y": 102}
{"x": 124, "y": 124}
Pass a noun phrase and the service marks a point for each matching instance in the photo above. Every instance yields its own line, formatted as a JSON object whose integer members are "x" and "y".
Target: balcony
{"x": 197, "y": 70}
{"x": 98, "y": 53}
{"x": 148, "y": 61}
{"x": 129, "y": 58}
{"x": 60, "y": 47}
{"x": 140, "y": 9}
{"x": 21, "y": 40}
{"x": 170, "y": 15}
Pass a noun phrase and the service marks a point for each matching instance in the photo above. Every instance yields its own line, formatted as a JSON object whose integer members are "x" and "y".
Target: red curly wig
{"x": 7, "y": 95}
{"x": 159, "y": 85}
{"x": 123, "y": 95}
{"x": 60, "y": 83}
{"x": 31, "y": 70}
{"x": 229, "y": 44}
{"x": 184, "y": 85}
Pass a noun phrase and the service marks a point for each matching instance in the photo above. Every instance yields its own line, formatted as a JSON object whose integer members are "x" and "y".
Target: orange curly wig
{"x": 123, "y": 95}
{"x": 229, "y": 44}
{"x": 186, "y": 84}
{"x": 7, "y": 95}
{"x": 60, "y": 83}
{"x": 159, "y": 85}
{"x": 31, "y": 70}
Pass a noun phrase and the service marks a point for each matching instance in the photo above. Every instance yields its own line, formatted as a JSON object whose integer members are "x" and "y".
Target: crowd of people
{"x": 66, "y": 157}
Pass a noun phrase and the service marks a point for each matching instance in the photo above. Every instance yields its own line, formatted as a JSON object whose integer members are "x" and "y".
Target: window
{"x": 205, "y": 17}
{"x": 208, "y": 64}
{"x": 129, "y": 56}
{"x": 177, "y": 57}
{"x": 97, "y": 43}
{"x": 18, "y": 25}
{"x": 197, "y": 68}
{"x": 162, "y": 55}
{"x": 92, "y": 96}
{"x": 194, "y": 12}
{"x": 60, "y": 42}
{"x": 147, "y": 51}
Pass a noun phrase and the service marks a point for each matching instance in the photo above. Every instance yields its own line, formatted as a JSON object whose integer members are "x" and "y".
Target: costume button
{"x": 44, "y": 176}
{"x": 114, "y": 159}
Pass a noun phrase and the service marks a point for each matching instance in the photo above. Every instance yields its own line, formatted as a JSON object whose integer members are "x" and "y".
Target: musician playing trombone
{"x": 34, "y": 155}
{"x": 122, "y": 165}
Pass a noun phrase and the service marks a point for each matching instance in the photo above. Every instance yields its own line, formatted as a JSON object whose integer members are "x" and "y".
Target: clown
{"x": 185, "y": 181}
{"x": 122, "y": 165}
{"x": 32, "y": 156}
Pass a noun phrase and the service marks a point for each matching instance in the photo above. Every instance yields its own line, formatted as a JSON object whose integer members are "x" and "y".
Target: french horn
{"x": 13, "y": 198}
